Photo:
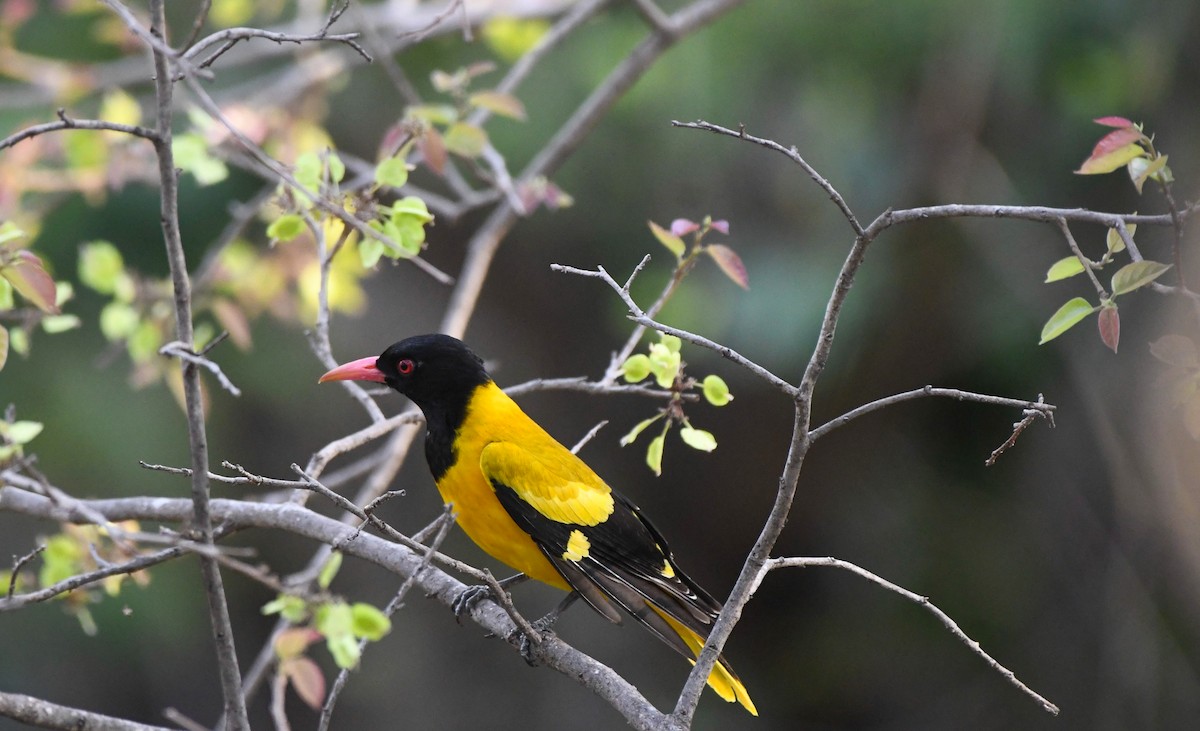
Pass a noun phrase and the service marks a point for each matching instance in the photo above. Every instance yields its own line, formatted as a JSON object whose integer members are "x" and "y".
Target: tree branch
{"x": 37, "y": 712}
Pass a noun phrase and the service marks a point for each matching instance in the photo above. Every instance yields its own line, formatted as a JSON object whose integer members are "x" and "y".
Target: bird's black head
{"x": 437, "y": 372}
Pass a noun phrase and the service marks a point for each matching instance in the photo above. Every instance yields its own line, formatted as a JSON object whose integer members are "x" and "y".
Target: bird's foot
{"x": 472, "y": 595}
{"x": 525, "y": 643}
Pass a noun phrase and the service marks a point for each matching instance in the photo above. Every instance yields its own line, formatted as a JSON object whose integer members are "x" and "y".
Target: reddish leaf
{"x": 433, "y": 150}
{"x": 306, "y": 679}
{"x": 1114, "y": 122}
{"x": 730, "y": 263}
{"x": 721, "y": 225}
{"x": 1110, "y": 326}
{"x": 683, "y": 227}
{"x": 27, "y": 275}
{"x": 1115, "y": 140}
{"x": 506, "y": 105}
{"x": 293, "y": 641}
{"x": 234, "y": 321}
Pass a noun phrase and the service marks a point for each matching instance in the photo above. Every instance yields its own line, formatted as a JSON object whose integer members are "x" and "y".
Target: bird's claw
{"x": 466, "y": 601}
{"x": 526, "y": 644}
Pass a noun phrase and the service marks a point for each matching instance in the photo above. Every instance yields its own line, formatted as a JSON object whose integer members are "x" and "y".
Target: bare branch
{"x": 1037, "y": 411}
{"x": 950, "y": 624}
{"x": 18, "y": 563}
{"x": 1039, "y": 406}
{"x": 65, "y": 122}
{"x": 1088, "y": 264}
{"x": 183, "y": 352}
{"x": 44, "y": 714}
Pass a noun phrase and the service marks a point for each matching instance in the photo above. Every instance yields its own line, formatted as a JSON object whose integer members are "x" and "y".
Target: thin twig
{"x": 1088, "y": 265}
{"x": 183, "y": 352}
{"x": 65, "y": 122}
{"x": 18, "y": 564}
{"x": 950, "y": 624}
{"x": 1035, "y": 412}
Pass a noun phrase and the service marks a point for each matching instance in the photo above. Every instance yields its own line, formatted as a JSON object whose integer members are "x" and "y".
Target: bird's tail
{"x": 722, "y": 679}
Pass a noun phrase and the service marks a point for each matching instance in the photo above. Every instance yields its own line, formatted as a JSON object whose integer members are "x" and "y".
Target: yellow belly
{"x": 485, "y": 521}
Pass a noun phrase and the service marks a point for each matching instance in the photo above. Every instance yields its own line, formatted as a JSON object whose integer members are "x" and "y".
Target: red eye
{"x": 405, "y": 367}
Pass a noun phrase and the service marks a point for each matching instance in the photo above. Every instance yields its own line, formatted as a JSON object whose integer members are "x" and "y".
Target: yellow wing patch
{"x": 577, "y": 547}
{"x": 667, "y": 570}
{"x": 552, "y": 480}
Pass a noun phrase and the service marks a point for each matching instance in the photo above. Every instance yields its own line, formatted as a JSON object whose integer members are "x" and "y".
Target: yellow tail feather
{"x": 721, "y": 680}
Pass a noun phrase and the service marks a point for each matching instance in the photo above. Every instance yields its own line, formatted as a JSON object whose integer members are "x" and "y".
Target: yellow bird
{"x": 529, "y": 502}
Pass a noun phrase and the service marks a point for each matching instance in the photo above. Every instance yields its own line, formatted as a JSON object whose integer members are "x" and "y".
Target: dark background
{"x": 1075, "y": 560}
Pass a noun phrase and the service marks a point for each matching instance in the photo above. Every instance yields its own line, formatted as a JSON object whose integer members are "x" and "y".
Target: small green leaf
{"x": 635, "y": 368}
{"x": 307, "y": 171}
{"x": 369, "y": 251}
{"x": 698, "y": 439}
{"x": 465, "y": 140}
{"x": 369, "y": 622}
{"x": 1113, "y": 238}
{"x": 411, "y": 205}
{"x": 192, "y": 156}
{"x": 6, "y": 295}
{"x": 18, "y": 340}
{"x": 3, "y": 346}
{"x": 1110, "y": 161}
{"x": 673, "y": 243}
{"x": 286, "y": 227}
{"x": 10, "y": 231}
{"x": 1063, "y": 268}
{"x": 329, "y": 570}
{"x": 1140, "y": 169}
{"x": 344, "y": 649}
{"x": 392, "y": 172}
{"x": 664, "y": 364}
{"x": 1137, "y": 274}
{"x": 60, "y": 323}
{"x": 292, "y": 608}
{"x": 100, "y": 266}
{"x": 23, "y": 432}
{"x": 654, "y": 453}
{"x": 118, "y": 321}
{"x": 672, "y": 342}
{"x": 1067, "y": 316}
{"x": 715, "y": 390}
{"x": 337, "y": 168}
{"x": 635, "y": 431}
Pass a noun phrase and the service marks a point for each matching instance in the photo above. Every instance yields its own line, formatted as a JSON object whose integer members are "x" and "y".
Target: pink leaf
{"x": 683, "y": 227}
{"x": 1115, "y": 140}
{"x": 1108, "y": 162}
{"x": 306, "y": 679}
{"x": 730, "y": 263}
{"x": 1114, "y": 122}
{"x": 721, "y": 225}
{"x": 27, "y": 275}
{"x": 1110, "y": 326}
{"x": 433, "y": 150}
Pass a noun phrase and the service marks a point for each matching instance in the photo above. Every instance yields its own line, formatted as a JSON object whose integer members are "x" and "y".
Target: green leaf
{"x": 143, "y": 343}
{"x": 18, "y": 340}
{"x": 635, "y": 431}
{"x": 337, "y": 168}
{"x": 715, "y": 390}
{"x": 1063, "y": 268}
{"x": 1113, "y": 238}
{"x": 369, "y": 622}
{"x": 411, "y": 205}
{"x": 23, "y": 432}
{"x": 392, "y": 172}
{"x": 369, "y": 251}
{"x": 3, "y": 346}
{"x": 672, "y": 342}
{"x": 329, "y": 570}
{"x": 673, "y": 243}
{"x": 6, "y": 295}
{"x": 286, "y": 227}
{"x": 192, "y": 156}
{"x": 1135, "y": 275}
{"x": 635, "y": 368}
{"x": 664, "y": 364}
{"x": 10, "y": 231}
{"x": 118, "y": 321}
{"x": 1067, "y": 316}
{"x": 510, "y": 37}
{"x": 1110, "y": 161}
{"x": 1140, "y": 169}
{"x": 60, "y": 323}
{"x": 292, "y": 608}
{"x": 344, "y": 649}
{"x": 100, "y": 266}
{"x": 27, "y": 275}
{"x": 465, "y": 140}
{"x": 307, "y": 171}
{"x": 654, "y": 453}
{"x": 698, "y": 439}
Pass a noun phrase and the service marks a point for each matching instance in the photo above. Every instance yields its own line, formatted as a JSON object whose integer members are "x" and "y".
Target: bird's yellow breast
{"x": 492, "y": 416}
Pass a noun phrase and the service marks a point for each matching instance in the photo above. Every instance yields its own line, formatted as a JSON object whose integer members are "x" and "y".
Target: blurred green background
{"x": 1075, "y": 560}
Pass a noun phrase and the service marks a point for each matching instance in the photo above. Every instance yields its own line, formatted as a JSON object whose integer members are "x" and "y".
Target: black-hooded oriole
{"x": 529, "y": 502}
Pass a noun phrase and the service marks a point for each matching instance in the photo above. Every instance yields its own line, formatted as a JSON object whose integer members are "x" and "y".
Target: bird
{"x": 531, "y": 503}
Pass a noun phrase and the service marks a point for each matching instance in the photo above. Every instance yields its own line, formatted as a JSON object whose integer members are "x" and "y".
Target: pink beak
{"x": 362, "y": 369}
